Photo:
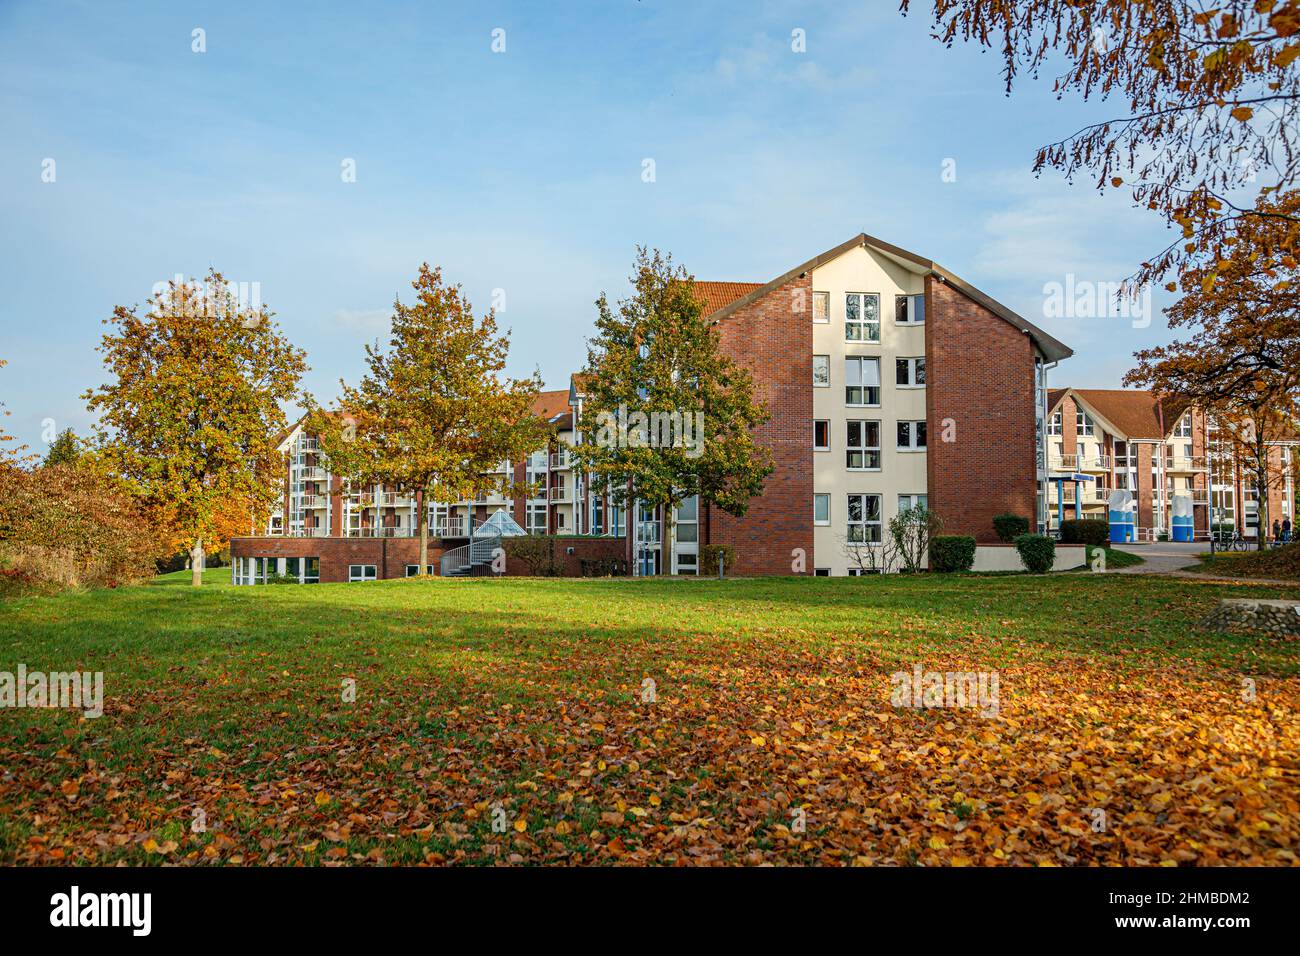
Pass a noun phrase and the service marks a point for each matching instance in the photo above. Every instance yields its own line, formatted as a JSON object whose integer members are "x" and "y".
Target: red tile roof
{"x": 550, "y": 404}
{"x": 1135, "y": 412}
{"x": 717, "y": 295}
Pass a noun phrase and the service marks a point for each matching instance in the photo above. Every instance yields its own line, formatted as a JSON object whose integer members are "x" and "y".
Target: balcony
{"x": 309, "y": 444}
{"x": 449, "y": 528}
{"x": 1068, "y": 463}
{"x": 1199, "y": 496}
{"x": 559, "y": 493}
{"x": 386, "y": 499}
{"x": 1094, "y": 463}
{"x": 311, "y": 473}
{"x": 321, "y": 532}
{"x": 560, "y": 460}
{"x": 381, "y": 531}
{"x": 315, "y": 501}
{"x": 1181, "y": 464}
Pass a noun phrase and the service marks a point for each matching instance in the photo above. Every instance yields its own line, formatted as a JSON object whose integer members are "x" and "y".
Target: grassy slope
{"x": 527, "y": 690}
{"x": 1278, "y": 563}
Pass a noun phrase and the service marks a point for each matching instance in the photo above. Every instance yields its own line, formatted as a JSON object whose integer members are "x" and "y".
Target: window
{"x": 821, "y": 509}
{"x": 535, "y": 517}
{"x": 822, "y": 572}
{"x": 1054, "y": 424}
{"x": 311, "y": 571}
{"x": 362, "y": 572}
{"x": 862, "y": 317}
{"x": 860, "y": 572}
{"x": 911, "y": 436}
{"x": 559, "y": 521}
{"x": 1184, "y": 427}
{"x": 412, "y": 570}
{"x": 864, "y": 519}
{"x": 863, "y": 446}
{"x": 821, "y": 307}
{"x": 821, "y": 434}
{"x": 1082, "y": 422}
{"x": 686, "y": 526}
{"x": 909, "y": 309}
{"x": 598, "y": 515}
{"x": 822, "y": 371}
{"x": 862, "y": 381}
{"x": 909, "y": 372}
{"x": 908, "y": 502}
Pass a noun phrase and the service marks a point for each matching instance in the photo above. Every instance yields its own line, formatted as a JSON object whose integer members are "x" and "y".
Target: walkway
{"x": 1174, "y": 557}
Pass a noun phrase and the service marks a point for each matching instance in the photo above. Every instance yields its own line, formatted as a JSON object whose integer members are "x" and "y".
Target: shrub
{"x": 709, "y": 558}
{"x": 536, "y": 552}
{"x": 912, "y": 530}
{"x": 952, "y": 552}
{"x": 72, "y": 526}
{"x": 1037, "y": 552}
{"x": 1009, "y": 527}
{"x": 1092, "y": 531}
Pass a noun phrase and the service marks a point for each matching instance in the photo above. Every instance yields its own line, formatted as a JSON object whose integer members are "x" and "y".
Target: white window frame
{"x": 913, "y": 365}
{"x": 913, "y": 435}
{"x": 863, "y": 324}
{"x": 825, "y": 299}
{"x": 827, "y": 423}
{"x": 913, "y": 305}
{"x": 906, "y": 502}
{"x": 863, "y": 449}
{"x": 822, "y": 522}
{"x": 359, "y": 577}
{"x": 826, "y": 367}
{"x": 867, "y": 526}
{"x": 1083, "y": 423}
{"x": 861, "y": 363}
{"x": 412, "y": 568}
{"x": 1054, "y": 424}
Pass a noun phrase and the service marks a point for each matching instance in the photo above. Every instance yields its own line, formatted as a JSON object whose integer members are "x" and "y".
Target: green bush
{"x": 709, "y": 559}
{"x": 952, "y": 552}
{"x": 1037, "y": 552}
{"x": 1092, "y": 531}
{"x": 1009, "y": 527}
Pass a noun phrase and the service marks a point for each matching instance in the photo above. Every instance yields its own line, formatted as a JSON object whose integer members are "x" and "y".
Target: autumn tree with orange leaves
{"x": 434, "y": 415}
{"x": 1241, "y": 358}
{"x": 189, "y": 419}
{"x": 1212, "y": 96}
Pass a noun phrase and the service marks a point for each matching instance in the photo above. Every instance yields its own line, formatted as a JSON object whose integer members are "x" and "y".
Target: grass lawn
{"x": 507, "y": 721}
{"x": 1276, "y": 563}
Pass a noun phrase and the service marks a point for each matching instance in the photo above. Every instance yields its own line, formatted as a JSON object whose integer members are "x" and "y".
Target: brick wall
{"x": 979, "y": 374}
{"x": 390, "y": 556}
{"x": 772, "y": 337}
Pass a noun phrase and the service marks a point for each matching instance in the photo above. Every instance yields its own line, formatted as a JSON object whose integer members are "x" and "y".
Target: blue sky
{"x": 519, "y": 170}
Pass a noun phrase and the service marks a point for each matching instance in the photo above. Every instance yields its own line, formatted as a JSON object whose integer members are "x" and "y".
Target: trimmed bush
{"x": 952, "y": 552}
{"x": 709, "y": 559}
{"x": 1092, "y": 531}
{"x": 1037, "y": 552}
{"x": 1008, "y": 527}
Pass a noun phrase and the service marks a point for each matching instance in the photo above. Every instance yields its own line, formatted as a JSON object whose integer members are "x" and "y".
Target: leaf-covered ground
{"x": 510, "y": 722}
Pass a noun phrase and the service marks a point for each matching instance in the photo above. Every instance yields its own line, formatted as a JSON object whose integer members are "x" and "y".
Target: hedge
{"x": 1009, "y": 527}
{"x": 1037, "y": 552}
{"x": 1092, "y": 531}
{"x": 952, "y": 552}
{"x": 709, "y": 559}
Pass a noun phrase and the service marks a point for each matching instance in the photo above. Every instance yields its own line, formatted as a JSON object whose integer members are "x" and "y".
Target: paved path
{"x": 1173, "y": 558}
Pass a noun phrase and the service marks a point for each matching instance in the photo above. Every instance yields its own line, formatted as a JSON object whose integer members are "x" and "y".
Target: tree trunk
{"x": 666, "y": 545}
{"x": 196, "y": 563}
{"x": 423, "y": 522}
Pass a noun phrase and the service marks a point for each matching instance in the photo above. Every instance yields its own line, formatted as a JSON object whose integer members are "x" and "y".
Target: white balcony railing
{"x": 311, "y": 473}
{"x": 558, "y": 493}
{"x": 1183, "y": 463}
{"x": 560, "y": 460}
{"x": 449, "y": 528}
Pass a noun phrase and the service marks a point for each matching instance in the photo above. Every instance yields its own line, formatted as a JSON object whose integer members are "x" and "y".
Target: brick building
{"x": 1101, "y": 441}
{"x": 891, "y": 383}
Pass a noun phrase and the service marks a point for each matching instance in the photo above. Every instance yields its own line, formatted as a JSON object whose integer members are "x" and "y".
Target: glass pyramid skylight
{"x": 499, "y": 525}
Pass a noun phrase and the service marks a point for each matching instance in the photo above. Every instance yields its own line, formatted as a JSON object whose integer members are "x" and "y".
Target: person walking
{"x": 1277, "y": 530}
{"x": 1286, "y": 530}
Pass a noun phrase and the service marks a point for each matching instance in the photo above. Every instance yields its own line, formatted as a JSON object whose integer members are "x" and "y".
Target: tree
{"x": 1241, "y": 359}
{"x": 911, "y": 530}
{"x": 190, "y": 417}
{"x": 671, "y": 415}
{"x": 64, "y": 450}
{"x": 10, "y": 456}
{"x": 1213, "y": 97}
{"x": 434, "y": 415}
